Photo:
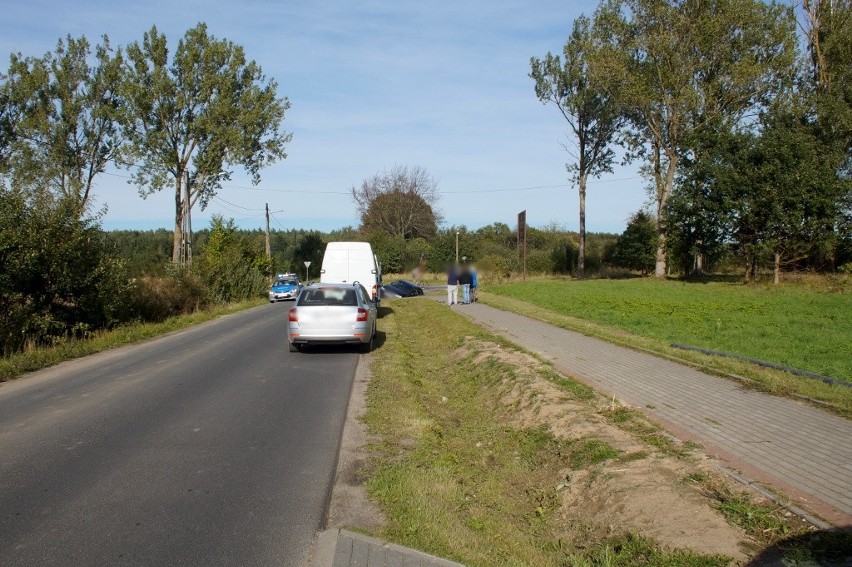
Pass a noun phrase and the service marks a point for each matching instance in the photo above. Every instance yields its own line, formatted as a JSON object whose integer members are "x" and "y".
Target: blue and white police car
{"x": 285, "y": 286}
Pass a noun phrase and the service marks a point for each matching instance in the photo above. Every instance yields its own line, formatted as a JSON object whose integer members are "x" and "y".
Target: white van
{"x": 347, "y": 262}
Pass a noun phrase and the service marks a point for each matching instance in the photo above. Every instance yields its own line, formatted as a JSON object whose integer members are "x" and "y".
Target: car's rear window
{"x": 328, "y": 296}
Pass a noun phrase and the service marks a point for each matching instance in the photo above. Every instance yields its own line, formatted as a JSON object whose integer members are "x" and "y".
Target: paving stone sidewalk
{"x": 804, "y": 451}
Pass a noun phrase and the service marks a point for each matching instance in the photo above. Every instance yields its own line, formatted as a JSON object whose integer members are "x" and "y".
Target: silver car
{"x": 329, "y": 313}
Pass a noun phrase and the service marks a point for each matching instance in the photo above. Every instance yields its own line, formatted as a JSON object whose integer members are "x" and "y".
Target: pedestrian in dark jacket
{"x": 464, "y": 280}
{"x": 452, "y": 285}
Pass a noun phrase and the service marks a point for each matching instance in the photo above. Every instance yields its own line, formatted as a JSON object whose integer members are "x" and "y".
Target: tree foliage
{"x": 57, "y": 276}
{"x": 636, "y": 248}
{"x": 310, "y": 248}
{"x": 232, "y": 266}
{"x": 192, "y": 118}
{"x": 64, "y": 128}
{"x": 399, "y": 202}
{"x": 679, "y": 68}
{"x": 588, "y": 109}
{"x": 789, "y": 193}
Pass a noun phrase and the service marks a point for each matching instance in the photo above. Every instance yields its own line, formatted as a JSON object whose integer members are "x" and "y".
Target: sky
{"x": 372, "y": 85}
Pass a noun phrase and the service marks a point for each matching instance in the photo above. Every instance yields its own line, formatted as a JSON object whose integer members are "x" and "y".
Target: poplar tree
{"x": 61, "y": 121}
{"x": 192, "y": 117}
{"x": 588, "y": 109}
{"x": 678, "y": 68}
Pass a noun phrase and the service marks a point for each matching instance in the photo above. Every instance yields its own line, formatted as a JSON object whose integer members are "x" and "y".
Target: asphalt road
{"x": 212, "y": 446}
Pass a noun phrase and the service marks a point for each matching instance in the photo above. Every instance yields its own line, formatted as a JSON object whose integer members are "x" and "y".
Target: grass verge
{"x": 42, "y": 357}
{"x": 548, "y": 301}
{"x": 457, "y": 477}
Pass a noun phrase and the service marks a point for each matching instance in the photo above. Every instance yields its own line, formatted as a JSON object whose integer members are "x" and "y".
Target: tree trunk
{"x": 581, "y": 252}
{"x": 777, "y": 278}
{"x": 698, "y": 270}
{"x": 664, "y": 191}
{"x": 751, "y": 269}
{"x": 178, "y": 233}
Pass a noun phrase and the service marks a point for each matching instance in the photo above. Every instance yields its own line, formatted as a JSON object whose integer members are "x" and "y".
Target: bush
{"x": 231, "y": 267}
{"x": 497, "y": 267}
{"x": 156, "y": 298}
{"x": 539, "y": 262}
{"x": 57, "y": 279}
{"x": 636, "y": 248}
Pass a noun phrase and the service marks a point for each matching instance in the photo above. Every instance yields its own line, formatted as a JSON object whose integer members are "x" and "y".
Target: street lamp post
{"x": 457, "y": 247}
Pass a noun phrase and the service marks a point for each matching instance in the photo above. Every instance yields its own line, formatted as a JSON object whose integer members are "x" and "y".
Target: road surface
{"x": 211, "y": 446}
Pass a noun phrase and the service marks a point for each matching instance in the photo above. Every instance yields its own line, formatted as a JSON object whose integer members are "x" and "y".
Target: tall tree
{"x": 588, "y": 109}
{"x": 399, "y": 203}
{"x": 11, "y": 111}
{"x": 789, "y": 191}
{"x": 699, "y": 213}
{"x": 678, "y": 67}
{"x": 192, "y": 118}
{"x": 68, "y": 131}
{"x": 828, "y": 33}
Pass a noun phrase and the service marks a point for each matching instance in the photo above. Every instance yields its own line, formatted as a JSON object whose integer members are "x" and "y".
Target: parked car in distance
{"x": 403, "y": 288}
{"x": 284, "y": 287}
{"x": 332, "y": 313}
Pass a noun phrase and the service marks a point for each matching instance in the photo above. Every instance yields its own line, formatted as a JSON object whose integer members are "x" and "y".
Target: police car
{"x": 285, "y": 286}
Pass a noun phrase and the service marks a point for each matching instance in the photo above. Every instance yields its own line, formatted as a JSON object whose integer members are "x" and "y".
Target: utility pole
{"x": 268, "y": 246}
{"x": 522, "y": 239}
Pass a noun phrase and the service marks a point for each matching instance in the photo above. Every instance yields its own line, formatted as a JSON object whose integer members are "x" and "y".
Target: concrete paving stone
{"x": 356, "y": 550}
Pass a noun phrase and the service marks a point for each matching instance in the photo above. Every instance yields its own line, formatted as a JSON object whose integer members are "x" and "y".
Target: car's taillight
{"x": 293, "y": 316}
{"x": 362, "y": 314}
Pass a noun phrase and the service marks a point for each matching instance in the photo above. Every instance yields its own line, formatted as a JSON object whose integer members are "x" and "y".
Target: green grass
{"x": 788, "y": 325}
{"x": 456, "y": 479}
{"x": 42, "y": 357}
{"x": 754, "y": 519}
{"x": 773, "y": 324}
{"x": 591, "y": 452}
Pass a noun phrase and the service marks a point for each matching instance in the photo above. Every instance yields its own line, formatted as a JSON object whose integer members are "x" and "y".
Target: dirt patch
{"x": 642, "y": 490}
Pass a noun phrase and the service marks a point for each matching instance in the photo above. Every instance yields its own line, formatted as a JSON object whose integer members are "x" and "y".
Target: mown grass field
{"x": 789, "y": 325}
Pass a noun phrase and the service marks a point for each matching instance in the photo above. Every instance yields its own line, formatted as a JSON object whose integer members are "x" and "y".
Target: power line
{"x": 218, "y": 198}
{"x": 274, "y": 218}
{"x": 441, "y": 192}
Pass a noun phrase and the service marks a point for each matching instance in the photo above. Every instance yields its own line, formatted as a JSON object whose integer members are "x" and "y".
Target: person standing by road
{"x": 474, "y": 282}
{"x": 452, "y": 285}
{"x": 464, "y": 280}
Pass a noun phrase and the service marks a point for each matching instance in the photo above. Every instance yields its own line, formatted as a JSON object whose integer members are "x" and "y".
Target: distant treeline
{"x": 494, "y": 248}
